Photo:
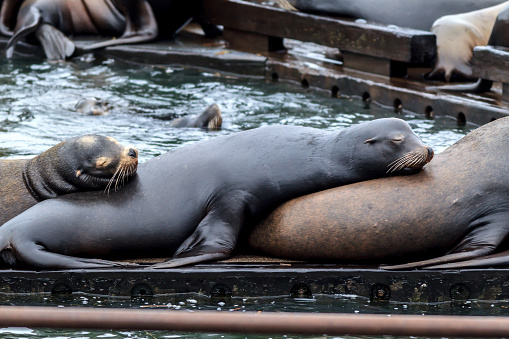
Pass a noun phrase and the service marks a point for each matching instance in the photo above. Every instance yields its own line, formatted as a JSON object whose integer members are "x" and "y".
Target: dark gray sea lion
{"x": 92, "y": 106}
{"x": 418, "y": 14}
{"x": 455, "y": 210}
{"x": 133, "y": 21}
{"x": 89, "y": 162}
{"x": 192, "y": 202}
{"x": 210, "y": 119}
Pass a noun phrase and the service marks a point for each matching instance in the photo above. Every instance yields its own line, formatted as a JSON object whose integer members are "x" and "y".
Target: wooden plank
{"x": 399, "y": 44}
{"x": 492, "y": 63}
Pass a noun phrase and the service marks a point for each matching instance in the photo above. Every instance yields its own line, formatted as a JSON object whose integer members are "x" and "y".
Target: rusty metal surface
{"x": 267, "y": 279}
{"x": 255, "y": 323}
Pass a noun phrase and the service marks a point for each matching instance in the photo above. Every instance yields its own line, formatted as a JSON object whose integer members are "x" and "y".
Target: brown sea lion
{"x": 455, "y": 210}
{"x": 89, "y": 162}
{"x": 210, "y": 119}
{"x": 133, "y": 21}
{"x": 191, "y": 203}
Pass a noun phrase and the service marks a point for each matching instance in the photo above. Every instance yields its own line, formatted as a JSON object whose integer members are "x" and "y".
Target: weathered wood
{"x": 252, "y": 42}
{"x": 399, "y": 44}
{"x": 492, "y": 63}
{"x": 375, "y": 65}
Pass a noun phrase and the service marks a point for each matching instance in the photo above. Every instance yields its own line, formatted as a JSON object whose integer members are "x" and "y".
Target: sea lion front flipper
{"x": 35, "y": 255}
{"x": 215, "y": 236}
{"x": 31, "y": 22}
{"x": 486, "y": 234}
{"x": 55, "y": 44}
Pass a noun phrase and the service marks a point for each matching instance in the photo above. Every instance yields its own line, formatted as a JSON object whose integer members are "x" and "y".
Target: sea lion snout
{"x": 431, "y": 153}
{"x": 412, "y": 161}
{"x": 133, "y": 153}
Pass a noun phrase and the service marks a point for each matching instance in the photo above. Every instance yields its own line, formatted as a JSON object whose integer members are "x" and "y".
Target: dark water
{"x": 37, "y": 111}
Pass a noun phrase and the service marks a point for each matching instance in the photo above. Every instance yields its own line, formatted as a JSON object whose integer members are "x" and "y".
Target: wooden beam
{"x": 398, "y": 44}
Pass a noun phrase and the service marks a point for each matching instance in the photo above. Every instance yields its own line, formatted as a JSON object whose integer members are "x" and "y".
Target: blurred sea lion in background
{"x": 210, "y": 119}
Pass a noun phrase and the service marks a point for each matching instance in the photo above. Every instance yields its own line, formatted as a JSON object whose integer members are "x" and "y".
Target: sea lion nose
{"x": 133, "y": 153}
{"x": 431, "y": 153}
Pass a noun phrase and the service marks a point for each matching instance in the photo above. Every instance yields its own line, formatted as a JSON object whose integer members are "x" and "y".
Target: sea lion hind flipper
{"x": 141, "y": 26}
{"x": 486, "y": 234}
{"x": 55, "y": 44}
{"x": 494, "y": 260}
{"x": 35, "y": 255}
{"x": 31, "y": 22}
{"x": 480, "y": 86}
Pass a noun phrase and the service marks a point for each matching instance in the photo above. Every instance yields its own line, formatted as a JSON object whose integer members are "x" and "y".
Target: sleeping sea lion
{"x": 89, "y": 162}
{"x": 453, "y": 214}
{"x": 191, "y": 203}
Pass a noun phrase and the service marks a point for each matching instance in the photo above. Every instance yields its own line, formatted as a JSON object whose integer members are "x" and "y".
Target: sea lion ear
{"x": 370, "y": 141}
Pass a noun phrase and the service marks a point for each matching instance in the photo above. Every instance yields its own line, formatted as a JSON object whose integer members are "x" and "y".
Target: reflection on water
{"x": 37, "y": 102}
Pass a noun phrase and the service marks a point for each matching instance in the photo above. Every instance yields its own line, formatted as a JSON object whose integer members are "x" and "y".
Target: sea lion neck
{"x": 47, "y": 179}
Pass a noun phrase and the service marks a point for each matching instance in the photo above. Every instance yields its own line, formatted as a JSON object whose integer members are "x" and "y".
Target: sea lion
{"x": 192, "y": 202}
{"x": 457, "y": 35}
{"x": 92, "y": 106}
{"x": 499, "y": 37}
{"x": 133, "y": 21}
{"x": 210, "y": 119}
{"x": 418, "y": 14}
{"x": 455, "y": 210}
{"x": 89, "y": 162}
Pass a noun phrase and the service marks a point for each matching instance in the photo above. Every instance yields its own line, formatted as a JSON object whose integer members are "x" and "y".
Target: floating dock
{"x": 382, "y": 65}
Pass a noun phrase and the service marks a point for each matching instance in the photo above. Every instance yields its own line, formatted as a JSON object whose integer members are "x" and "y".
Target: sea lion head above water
{"x": 82, "y": 163}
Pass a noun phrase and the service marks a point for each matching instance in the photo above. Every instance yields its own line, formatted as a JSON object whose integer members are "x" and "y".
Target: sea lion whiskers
{"x": 121, "y": 175}
{"x": 409, "y": 160}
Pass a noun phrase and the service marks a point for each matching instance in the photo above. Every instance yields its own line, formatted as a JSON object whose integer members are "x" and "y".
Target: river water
{"x": 37, "y": 102}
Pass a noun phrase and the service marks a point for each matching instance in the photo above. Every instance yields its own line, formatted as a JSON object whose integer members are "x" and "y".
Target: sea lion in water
{"x": 89, "y": 162}
{"x": 192, "y": 202}
{"x": 457, "y": 35}
{"x": 455, "y": 210}
{"x": 210, "y": 119}
{"x": 92, "y": 106}
{"x": 133, "y": 21}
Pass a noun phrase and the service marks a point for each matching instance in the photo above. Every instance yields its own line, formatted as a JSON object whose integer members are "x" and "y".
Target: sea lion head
{"x": 92, "y": 106}
{"x": 392, "y": 146}
{"x": 102, "y": 162}
{"x": 89, "y": 162}
{"x": 212, "y": 117}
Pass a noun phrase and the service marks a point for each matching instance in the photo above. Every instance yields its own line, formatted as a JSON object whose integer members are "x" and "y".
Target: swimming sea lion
{"x": 192, "y": 202}
{"x": 210, "y": 119}
{"x": 418, "y": 14}
{"x": 133, "y": 21}
{"x": 457, "y": 35}
{"x": 92, "y": 106}
{"x": 455, "y": 210}
{"x": 89, "y": 162}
